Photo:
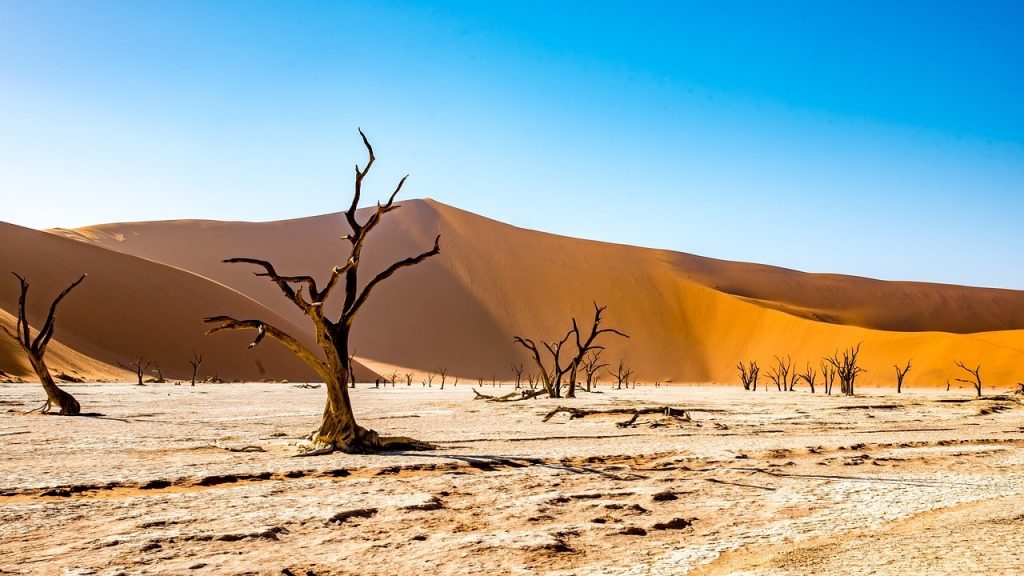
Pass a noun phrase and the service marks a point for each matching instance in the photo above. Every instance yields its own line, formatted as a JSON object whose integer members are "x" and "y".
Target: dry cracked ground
{"x": 167, "y": 479}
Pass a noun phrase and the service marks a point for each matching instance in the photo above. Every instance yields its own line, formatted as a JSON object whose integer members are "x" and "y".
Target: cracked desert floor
{"x": 763, "y": 483}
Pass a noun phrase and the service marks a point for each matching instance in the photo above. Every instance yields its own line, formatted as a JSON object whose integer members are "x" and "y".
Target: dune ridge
{"x": 690, "y": 318}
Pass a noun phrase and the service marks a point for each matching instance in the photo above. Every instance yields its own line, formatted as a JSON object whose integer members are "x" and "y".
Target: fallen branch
{"x": 575, "y": 413}
{"x": 249, "y": 448}
{"x": 510, "y": 397}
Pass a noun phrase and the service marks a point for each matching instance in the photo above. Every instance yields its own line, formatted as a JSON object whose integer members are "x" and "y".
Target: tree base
{"x": 359, "y": 441}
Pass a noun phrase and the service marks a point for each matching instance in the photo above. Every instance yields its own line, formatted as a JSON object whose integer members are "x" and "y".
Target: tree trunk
{"x": 65, "y": 402}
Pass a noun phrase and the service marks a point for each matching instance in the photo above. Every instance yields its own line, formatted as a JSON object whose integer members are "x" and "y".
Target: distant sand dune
{"x": 690, "y": 318}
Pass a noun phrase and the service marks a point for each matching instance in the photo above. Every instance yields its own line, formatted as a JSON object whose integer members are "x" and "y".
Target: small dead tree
{"x": 975, "y": 374}
{"x": 846, "y": 368}
{"x": 552, "y": 377}
{"x": 408, "y": 378}
{"x": 828, "y": 376}
{"x": 517, "y": 371}
{"x": 195, "y": 362}
{"x": 338, "y": 429}
{"x": 591, "y": 366}
{"x": 159, "y": 375}
{"x": 749, "y": 374}
{"x": 393, "y": 377}
{"x": 35, "y": 349}
{"x": 809, "y": 375}
{"x": 779, "y": 373}
{"x": 444, "y": 373}
{"x": 430, "y": 380}
{"x": 622, "y": 374}
{"x": 139, "y": 367}
{"x": 901, "y": 373}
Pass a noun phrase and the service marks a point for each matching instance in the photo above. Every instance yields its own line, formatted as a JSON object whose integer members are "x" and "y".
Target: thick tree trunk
{"x": 55, "y": 397}
{"x": 338, "y": 430}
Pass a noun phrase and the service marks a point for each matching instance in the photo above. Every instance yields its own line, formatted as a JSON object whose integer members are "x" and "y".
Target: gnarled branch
{"x": 264, "y": 329}
{"x": 350, "y": 312}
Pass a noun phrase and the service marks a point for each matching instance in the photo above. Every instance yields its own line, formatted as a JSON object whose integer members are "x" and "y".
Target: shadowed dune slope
{"x": 690, "y": 318}
{"x": 126, "y": 307}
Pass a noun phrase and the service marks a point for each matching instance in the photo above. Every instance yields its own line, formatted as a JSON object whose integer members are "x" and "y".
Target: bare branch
{"x": 264, "y": 329}
{"x": 359, "y": 301}
{"x": 46, "y": 332}
{"x": 283, "y": 282}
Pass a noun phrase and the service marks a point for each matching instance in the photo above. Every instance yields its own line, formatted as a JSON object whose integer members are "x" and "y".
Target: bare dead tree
{"x": 159, "y": 375}
{"x": 779, "y": 373}
{"x": 352, "y": 372}
{"x": 592, "y": 365}
{"x": 517, "y": 371}
{"x": 35, "y": 349}
{"x": 531, "y": 380}
{"x": 976, "y": 377}
{"x": 443, "y": 372}
{"x": 901, "y": 373}
{"x": 749, "y": 374}
{"x": 809, "y": 375}
{"x": 393, "y": 377}
{"x": 195, "y": 362}
{"x": 622, "y": 374}
{"x": 430, "y": 380}
{"x": 338, "y": 429}
{"x": 828, "y": 376}
{"x": 846, "y": 368}
{"x": 552, "y": 377}
{"x": 408, "y": 378}
{"x": 139, "y": 367}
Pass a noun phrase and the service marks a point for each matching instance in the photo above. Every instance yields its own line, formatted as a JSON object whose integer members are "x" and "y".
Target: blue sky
{"x": 882, "y": 139}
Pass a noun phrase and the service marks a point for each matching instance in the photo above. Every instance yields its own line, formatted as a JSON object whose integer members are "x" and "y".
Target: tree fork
{"x": 35, "y": 349}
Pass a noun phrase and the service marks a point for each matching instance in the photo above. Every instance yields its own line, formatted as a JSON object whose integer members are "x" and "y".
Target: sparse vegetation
{"x": 975, "y": 373}
{"x": 901, "y": 373}
{"x": 846, "y": 368}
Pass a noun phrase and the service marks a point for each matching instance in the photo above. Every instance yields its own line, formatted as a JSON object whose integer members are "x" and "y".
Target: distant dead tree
{"x": 393, "y": 377}
{"x": 531, "y": 380}
{"x": 809, "y": 375}
{"x": 552, "y": 377}
{"x": 430, "y": 380}
{"x": 828, "y": 376}
{"x": 195, "y": 362}
{"x": 35, "y": 349}
{"x": 517, "y": 371}
{"x": 976, "y": 376}
{"x": 139, "y": 367}
{"x": 338, "y": 429}
{"x": 443, "y": 372}
{"x": 591, "y": 366}
{"x": 749, "y": 374}
{"x": 846, "y": 368}
{"x": 901, "y": 373}
{"x": 352, "y": 372}
{"x": 408, "y": 378}
{"x": 159, "y": 375}
{"x": 622, "y": 374}
{"x": 779, "y": 373}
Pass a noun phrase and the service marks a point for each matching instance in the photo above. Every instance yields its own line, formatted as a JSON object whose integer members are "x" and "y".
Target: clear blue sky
{"x": 883, "y": 139}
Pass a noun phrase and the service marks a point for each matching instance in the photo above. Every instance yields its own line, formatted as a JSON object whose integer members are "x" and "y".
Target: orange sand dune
{"x": 691, "y": 318}
{"x": 126, "y": 307}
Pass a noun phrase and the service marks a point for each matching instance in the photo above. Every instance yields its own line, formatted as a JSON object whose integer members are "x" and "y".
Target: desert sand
{"x": 762, "y": 483}
{"x": 691, "y": 319}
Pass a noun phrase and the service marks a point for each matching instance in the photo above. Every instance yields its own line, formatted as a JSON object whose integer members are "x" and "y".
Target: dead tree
{"x": 901, "y": 373}
{"x": 195, "y": 362}
{"x": 517, "y": 371}
{"x": 35, "y": 349}
{"x": 622, "y": 374}
{"x": 828, "y": 376}
{"x": 779, "y": 373}
{"x": 159, "y": 378}
{"x": 749, "y": 374}
{"x": 976, "y": 377}
{"x": 552, "y": 377}
{"x": 591, "y": 366}
{"x": 408, "y": 378}
{"x": 338, "y": 429}
{"x": 443, "y": 372}
{"x": 139, "y": 367}
{"x": 393, "y": 377}
{"x": 846, "y": 368}
{"x": 430, "y": 380}
{"x": 809, "y": 376}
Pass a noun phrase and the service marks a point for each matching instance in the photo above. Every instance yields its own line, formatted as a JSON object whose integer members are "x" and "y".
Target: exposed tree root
{"x": 360, "y": 441}
{"x": 511, "y": 396}
{"x": 575, "y": 413}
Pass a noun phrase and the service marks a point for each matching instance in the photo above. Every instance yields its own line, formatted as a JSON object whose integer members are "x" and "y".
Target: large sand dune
{"x": 691, "y": 318}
